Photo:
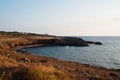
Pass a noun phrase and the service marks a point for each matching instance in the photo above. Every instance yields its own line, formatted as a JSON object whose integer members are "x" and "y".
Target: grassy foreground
{"x": 25, "y": 66}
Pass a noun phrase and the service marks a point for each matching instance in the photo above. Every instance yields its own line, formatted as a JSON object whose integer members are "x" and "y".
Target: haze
{"x": 61, "y": 17}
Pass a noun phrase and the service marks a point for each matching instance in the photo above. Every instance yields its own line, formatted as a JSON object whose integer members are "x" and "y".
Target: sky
{"x": 61, "y": 17}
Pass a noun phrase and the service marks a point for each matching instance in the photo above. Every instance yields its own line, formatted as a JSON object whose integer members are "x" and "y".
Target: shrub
{"x": 38, "y": 73}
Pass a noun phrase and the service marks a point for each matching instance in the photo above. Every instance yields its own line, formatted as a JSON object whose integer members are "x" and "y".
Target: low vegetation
{"x": 24, "y": 66}
{"x": 37, "y": 72}
{"x": 30, "y": 72}
{"x": 10, "y": 62}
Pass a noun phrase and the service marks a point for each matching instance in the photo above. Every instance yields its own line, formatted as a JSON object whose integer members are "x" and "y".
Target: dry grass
{"x": 15, "y": 66}
{"x": 32, "y": 72}
{"x": 38, "y": 72}
{"x": 12, "y": 68}
{"x": 7, "y": 62}
{"x": 10, "y": 42}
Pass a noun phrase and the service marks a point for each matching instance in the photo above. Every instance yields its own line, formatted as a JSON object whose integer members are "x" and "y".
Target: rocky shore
{"x": 26, "y": 66}
{"x": 59, "y": 41}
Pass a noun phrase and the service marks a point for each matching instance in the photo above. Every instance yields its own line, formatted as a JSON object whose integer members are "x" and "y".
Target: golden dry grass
{"x": 7, "y": 62}
{"x": 32, "y": 72}
{"x": 11, "y": 42}
{"x": 19, "y": 66}
{"x": 13, "y": 69}
{"x": 38, "y": 72}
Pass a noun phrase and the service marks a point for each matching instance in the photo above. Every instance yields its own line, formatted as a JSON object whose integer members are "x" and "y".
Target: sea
{"x": 106, "y": 55}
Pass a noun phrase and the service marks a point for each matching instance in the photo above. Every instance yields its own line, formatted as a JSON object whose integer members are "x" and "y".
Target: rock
{"x": 44, "y": 61}
{"x": 25, "y": 59}
{"x": 8, "y": 55}
{"x": 67, "y": 41}
{"x": 113, "y": 75}
{"x": 92, "y": 42}
{"x": 98, "y": 43}
{"x": 72, "y": 41}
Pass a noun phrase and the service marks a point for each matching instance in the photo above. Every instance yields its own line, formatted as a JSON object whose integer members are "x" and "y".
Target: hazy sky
{"x": 61, "y": 17}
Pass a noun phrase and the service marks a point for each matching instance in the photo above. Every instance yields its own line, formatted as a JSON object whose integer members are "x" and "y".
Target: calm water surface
{"x": 106, "y": 55}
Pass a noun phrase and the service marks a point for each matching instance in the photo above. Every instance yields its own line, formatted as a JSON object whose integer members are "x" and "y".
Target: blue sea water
{"x": 106, "y": 55}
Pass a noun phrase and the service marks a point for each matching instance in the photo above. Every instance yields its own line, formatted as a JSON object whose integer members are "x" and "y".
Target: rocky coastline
{"x": 11, "y": 61}
{"x": 63, "y": 41}
{"x": 59, "y": 41}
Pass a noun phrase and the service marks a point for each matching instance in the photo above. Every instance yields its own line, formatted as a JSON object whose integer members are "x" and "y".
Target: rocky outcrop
{"x": 71, "y": 41}
{"x": 92, "y": 42}
{"x": 66, "y": 41}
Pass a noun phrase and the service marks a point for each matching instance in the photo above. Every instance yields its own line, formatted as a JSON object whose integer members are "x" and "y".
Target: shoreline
{"x": 18, "y": 49}
{"x": 28, "y": 46}
{"x": 73, "y": 70}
